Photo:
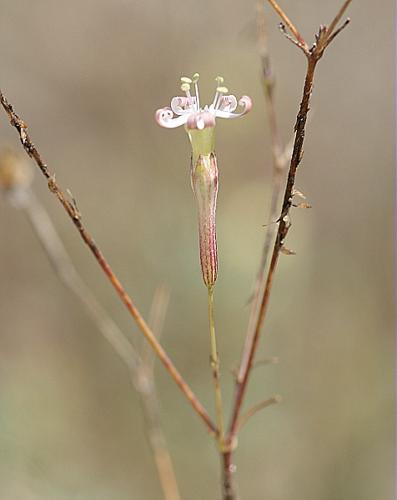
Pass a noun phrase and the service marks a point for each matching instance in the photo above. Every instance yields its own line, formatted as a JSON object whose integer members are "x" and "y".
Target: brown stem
{"x": 74, "y": 214}
{"x": 280, "y": 161}
{"x": 313, "y": 56}
{"x": 284, "y": 224}
{"x": 64, "y": 268}
{"x": 288, "y": 22}
{"x": 140, "y": 371}
{"x": 338, "y": 17}
{"x": 156, "y": 319}
{"x": 229, "y": 491}
{"x": 144, "y": 382}
{"x": 255, "y": 409}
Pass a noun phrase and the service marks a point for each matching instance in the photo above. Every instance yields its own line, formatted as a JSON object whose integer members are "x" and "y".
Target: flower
{"x": 189, "y": 113}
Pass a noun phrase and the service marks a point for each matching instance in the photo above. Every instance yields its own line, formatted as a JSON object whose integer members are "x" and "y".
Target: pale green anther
{"x": 185, "y": 79}
{"x": 219, "y": 80}
{"x": 222, "y": 90}
{"x": 195, "y": 77}
{"x": 185, "y": 87}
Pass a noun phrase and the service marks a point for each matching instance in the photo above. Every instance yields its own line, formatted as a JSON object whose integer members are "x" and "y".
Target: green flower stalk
{"x": 200, "y": 125}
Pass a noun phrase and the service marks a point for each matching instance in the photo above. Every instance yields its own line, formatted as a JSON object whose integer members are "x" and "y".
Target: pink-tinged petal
{"x": 165, "y": 118}
{"x": 182, "y": 105}
{"x": 228, "y": 103}
{"x": 245, "y": 103}
{"x": 200, "y": 121}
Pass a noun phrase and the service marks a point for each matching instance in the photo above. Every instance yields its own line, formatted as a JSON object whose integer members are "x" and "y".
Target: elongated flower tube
{"x": 199, "y": 123}
{"x": 204, "y": 176}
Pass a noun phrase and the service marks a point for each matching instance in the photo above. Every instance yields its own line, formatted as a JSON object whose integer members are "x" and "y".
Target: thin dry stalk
{"x": 280, "y": 160}
{"x": 156, "y": 319}
{"x": 255, "y": 409}
{"x": 143, "y": 379}
{"x": 283, "y": 228}
{"x": 140, "y": 367}
{"x": 314, "y": 54}
{"x": 288, "y": 22}
{"x": 75, "y": 216}
{"x": 64, "y": 268}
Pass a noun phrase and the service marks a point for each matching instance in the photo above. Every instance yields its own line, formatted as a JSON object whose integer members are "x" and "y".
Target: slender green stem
{"x": 215, "y": 370}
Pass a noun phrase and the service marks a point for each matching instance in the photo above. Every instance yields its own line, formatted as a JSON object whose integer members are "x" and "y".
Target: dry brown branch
{"x": 338, "y": 17}
{"x": 291, "y": 39}
{"x": 280, "y": 158}
{"x": 140, "y": 367}
{"x": 157, "y": 313}
{"x": 255, "y": 409}
{"x": 75, "y": 216}
{"x": 143, "y": 379}
{"x": 289, "y": 23}
{"x": 284, "y": 224}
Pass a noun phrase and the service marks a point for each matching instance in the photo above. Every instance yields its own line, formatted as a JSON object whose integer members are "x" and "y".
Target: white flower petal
{"x": 182, "y": 105}
{"x": 228, "y": 103}
{"x": 165, "y": 118}
{"x": 245, "y": 102}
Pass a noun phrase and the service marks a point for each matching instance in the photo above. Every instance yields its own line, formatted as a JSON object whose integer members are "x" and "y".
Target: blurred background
{"x": 87, "y": 78}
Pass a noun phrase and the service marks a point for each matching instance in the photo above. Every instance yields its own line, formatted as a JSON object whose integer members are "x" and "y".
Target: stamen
{"x": 185, "y": 79}
{"x": 219, "y": 92}
{"x": 219, "y": 80}
{"x": 215, "y": 100}
{"x": 195, "y": 79}
{"x": 185, "y": 87}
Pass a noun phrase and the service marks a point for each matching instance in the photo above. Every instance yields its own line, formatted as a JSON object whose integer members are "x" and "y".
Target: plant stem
{"x": 313, "y": 55}
{"x": 75, "y": 216}
{"x": 140, "y": 367}
{"x": 280, "y": 162}
{"x": 229, "y": 489}
{"x": 215, "y": 369}
{"x": 284, "y": 225}
{"x": 288, "y": 22}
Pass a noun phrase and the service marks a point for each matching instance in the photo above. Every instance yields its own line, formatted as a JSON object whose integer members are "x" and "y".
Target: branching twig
{"x": 143, "y": 380}
{"x": 254, "y": 409}
{"x": 338, "y": 17}
{"x": 156, "y": 320}
{"x": 75, "y": 216}
{"x": 141, "y": 371}
{"x": 290, "y": 38}
{"x": 280, "y": 158}
{"x": 313, "y": 56}
{"x": 284, "y": 225}
{"x": 288, "y": 22}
